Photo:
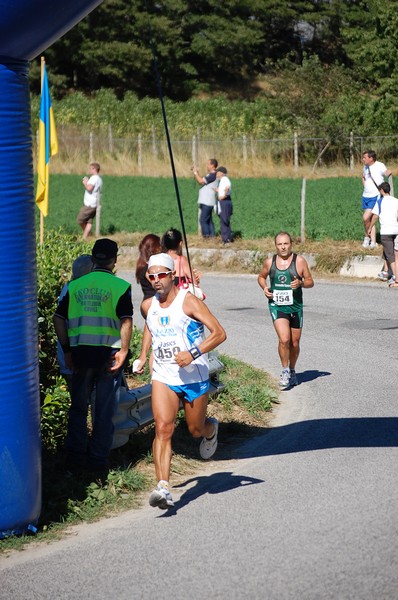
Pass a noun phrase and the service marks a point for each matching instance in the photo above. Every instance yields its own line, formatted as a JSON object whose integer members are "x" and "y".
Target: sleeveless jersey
{"x": 285, "y": 299}
{"x": 173, "y": 331}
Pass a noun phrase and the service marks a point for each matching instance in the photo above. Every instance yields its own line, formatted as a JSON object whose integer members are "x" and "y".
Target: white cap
{"x": 161, "y": 260}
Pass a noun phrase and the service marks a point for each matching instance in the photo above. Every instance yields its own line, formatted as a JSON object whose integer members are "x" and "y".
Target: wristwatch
{"x": 195, "y": 352}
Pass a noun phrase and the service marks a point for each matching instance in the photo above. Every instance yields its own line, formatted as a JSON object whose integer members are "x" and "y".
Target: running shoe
{"x": 366, "y": 242}
{"x": 209, "y": 445}
{"x": 293, "y": 378}
{"x": 161, "y": 498}
{"x": 373, "y": 245}
{"x": 391, "y": 280}
{"x": 383, "y": 275}
{"x": 284, "y": 381}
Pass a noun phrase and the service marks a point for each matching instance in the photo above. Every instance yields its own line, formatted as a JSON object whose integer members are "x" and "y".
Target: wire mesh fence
{"x": 140, "y": 154}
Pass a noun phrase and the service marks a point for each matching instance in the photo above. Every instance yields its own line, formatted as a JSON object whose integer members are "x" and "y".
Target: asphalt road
{"x": 307, "y": 511}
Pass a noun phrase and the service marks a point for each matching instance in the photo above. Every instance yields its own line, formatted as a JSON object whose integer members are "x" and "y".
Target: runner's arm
{"x": 146, "y": 340}
{"x": 305, "y": 274}
{"x": 197, "y": 309}
{"x": 126, "y": 328}
{"x": 262, "y": 278}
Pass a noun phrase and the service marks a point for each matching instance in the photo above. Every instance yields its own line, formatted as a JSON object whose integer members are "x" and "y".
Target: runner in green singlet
{"x": 288, "y": 274}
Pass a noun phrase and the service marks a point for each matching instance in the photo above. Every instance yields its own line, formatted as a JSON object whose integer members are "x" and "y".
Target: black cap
{"x": 222, "y": 170}
{"x": 104, "y": 249}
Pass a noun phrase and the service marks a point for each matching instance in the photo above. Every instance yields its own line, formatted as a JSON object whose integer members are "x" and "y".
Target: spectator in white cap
{"x": 175, "y": 324}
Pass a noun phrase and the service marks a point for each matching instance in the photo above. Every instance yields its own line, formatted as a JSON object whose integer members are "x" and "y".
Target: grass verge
{"x": 244, "y": 410}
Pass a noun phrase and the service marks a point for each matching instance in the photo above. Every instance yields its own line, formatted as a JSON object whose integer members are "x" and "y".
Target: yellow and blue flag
{"x": 48, "y": 145}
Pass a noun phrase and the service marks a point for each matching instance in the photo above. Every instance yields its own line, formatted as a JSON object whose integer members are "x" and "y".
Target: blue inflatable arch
{"x": 27, "y": 27}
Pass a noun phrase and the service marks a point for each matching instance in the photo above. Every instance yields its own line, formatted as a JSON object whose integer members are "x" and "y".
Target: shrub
{"x": 54, "y": 262}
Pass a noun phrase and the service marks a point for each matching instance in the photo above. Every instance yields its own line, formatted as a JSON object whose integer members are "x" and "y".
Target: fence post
{"x": 140, "y": 153}
{"x": 252, "y": 148}
{"x": 194, "y": 150}
{"x": 110, "y": 138}
{"x": 295, "y": 151}
{"x": 154, "y": 147}
{"x": 244, "y": 148}
{"x": 302, "y": 232}
{"x": 351, "y": 150}
{"x": 91, "y": 150}
{"x": 390, "y": 181}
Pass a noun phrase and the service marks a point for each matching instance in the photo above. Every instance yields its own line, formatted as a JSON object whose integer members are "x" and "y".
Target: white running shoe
{"x": 293, "y": 378}
{"x": 383, "y": 275}
{"x": 391, "y": 280}
{"x": 209, "y": 445}
{"x": 284, "y": 381}
{"x": 366, "y": 242}
{"x": 373, "y": 245}
{"x": 161, "y": 498}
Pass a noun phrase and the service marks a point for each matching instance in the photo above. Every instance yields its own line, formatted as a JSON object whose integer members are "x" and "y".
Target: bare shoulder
{"x": 192, "y": 303}
{"x": 267, "y": 264}
{"x": 145, "y": 305}
{"x": 301, "y": 262}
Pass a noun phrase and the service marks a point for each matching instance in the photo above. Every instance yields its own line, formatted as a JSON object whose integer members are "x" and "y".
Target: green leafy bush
{"x": 54, "y": 262}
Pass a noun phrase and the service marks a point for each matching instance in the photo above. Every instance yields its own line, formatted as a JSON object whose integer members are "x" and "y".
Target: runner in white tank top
{"x": 176, "y": 321}
{"x": 173, "y": 331}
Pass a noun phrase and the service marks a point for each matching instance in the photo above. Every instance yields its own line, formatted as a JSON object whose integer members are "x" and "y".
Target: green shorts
{"x": 295, "y": 318}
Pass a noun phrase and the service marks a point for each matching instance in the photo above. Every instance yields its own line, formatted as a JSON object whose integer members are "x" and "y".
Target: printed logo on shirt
{"x": 164, "y": 321}
{"x": 282, "y": 278}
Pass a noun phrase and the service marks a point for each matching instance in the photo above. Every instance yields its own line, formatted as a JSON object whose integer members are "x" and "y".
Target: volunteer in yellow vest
{"x": 93, "y": 323}
{"x": 288, "y": 274}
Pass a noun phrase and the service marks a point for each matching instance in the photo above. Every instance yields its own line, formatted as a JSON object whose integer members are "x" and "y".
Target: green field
{"x": 261, "y": 206}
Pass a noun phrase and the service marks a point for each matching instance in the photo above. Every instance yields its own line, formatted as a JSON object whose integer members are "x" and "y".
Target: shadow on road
{"x": 306, "y": 376}
{"x": 319, "y": 434}
{"x": 217, "y": 483}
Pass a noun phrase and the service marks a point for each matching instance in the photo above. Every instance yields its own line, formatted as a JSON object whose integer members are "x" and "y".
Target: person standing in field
{"x": 175, "y": 326}
{"x": 386, "y": 211}
{"x": 225, "y": 204}
{"x": 93, "y": 189}
{"x": 373, "y": 175}
{"x": 207, "y": 197}
{"x": 288, "y": 274}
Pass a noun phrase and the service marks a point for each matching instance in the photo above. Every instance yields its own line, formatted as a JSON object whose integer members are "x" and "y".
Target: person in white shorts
{"x": 92, "y": 194}
{"x": 175, "y": 327}
{"x": 373, "y": 175}
{"x": 386, "y": 211}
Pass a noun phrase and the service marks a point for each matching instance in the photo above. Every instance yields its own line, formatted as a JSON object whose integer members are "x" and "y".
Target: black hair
{"x": 385, "y": 186}
{"x": 171, "y": 239}
{"x": 371, "y": 154}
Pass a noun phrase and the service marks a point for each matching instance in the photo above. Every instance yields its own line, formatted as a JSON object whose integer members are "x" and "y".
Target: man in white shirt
{"x": 386, "y": 210}
{"x": 92, "y": 193}
{"x": 207, "y": 197}
{"x": 373, "y": 175}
